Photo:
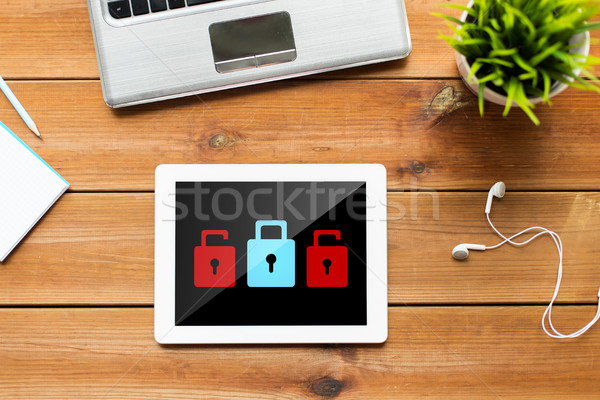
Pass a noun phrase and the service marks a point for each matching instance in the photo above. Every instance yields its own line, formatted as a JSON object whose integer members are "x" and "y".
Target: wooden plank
{"x": 46, "y": 39}
{"x": 98, "y": 249}
{"x": 53, "y": 39}
{"x": 427, "y": 133}
{"x": 422, "y": 269}
{"x": 440, "y": 353}
{"x": 89, "y": 249}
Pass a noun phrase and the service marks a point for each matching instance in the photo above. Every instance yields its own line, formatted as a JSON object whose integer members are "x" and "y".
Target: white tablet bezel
{"x": 376, "y": 329}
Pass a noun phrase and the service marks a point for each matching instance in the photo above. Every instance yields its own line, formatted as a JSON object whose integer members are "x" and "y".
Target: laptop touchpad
{"x": 252, "y": 42}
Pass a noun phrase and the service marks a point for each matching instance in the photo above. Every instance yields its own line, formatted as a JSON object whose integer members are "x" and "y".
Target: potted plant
{"x": 519, "y": 53}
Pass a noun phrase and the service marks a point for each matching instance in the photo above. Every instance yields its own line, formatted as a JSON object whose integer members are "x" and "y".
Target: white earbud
{"x": 498, "y": 191}
{"x": 461, "y": 251}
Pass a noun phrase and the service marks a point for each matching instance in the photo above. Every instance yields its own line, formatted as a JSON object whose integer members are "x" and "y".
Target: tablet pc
{"x": 270, "y": 254}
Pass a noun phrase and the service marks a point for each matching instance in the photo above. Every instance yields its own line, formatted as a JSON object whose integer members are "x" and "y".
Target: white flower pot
{"x": 494, "y": 97}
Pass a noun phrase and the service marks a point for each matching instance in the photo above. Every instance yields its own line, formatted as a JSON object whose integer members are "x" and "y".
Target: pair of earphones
{"x": 461, "y": 252}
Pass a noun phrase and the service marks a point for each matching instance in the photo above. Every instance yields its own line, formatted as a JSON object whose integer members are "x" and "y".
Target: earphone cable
{"x": 559, "y": 247}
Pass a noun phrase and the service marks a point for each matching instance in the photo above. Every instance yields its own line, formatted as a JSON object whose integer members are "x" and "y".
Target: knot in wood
{"x": 417, "y": 167}
{"x": 326, "y": 387}
{"x": 218, "y": 141}
{"x": 443, "y": 102}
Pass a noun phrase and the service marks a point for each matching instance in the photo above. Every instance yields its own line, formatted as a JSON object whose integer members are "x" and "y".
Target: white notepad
{"x": 28, "y": 188}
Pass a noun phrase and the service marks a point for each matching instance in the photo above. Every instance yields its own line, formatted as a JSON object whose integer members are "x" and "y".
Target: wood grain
{"x": 53, "y": 40}
{"x": 98, "y": 249}
{"x": 414, "y": 116}
{"x": 427, "y": 133}
{"x": 46, "y": 39}
{"x": 495, "y": 352}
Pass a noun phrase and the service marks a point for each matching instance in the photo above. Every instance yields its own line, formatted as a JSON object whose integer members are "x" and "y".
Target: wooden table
{"x": 76, "y": 297}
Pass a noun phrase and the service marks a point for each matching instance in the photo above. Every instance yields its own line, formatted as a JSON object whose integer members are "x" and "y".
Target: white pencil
{"x": 17, "y": 105}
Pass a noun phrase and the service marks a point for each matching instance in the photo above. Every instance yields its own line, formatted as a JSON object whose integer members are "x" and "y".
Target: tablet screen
{"x": 270, "y": 253}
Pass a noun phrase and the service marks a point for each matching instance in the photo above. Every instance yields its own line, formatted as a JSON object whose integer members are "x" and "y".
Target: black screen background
{"x": 242, "y": 305}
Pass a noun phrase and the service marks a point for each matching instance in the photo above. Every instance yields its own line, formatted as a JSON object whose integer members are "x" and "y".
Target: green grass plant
{"x": 520, "y": 48}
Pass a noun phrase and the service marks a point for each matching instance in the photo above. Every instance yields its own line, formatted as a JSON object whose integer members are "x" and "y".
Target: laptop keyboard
{"x": 128, "y": 8}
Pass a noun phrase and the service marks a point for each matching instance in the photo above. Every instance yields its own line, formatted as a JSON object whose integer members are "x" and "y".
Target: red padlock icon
{"x": 326, "y": 266}
{"x": 214, "y": 266}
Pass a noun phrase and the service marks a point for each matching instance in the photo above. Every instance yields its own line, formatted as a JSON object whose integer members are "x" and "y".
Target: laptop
{"x": 270, "y": 254}
{"x": 151, "y": 50}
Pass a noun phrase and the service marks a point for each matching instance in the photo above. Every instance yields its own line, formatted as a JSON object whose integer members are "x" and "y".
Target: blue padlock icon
{"x": 271, "y": 262}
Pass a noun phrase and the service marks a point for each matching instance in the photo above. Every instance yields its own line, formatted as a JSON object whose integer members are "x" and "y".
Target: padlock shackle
{"x": 206, "y": 233}
{"x": 318, "y": 233}
{"x": 281, "y": 224}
